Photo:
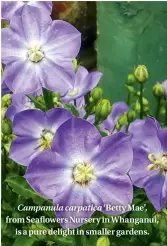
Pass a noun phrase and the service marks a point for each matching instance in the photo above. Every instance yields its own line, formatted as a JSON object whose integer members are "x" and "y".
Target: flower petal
{"x": 47, "y": 173}
{"x": 21, "y": 77}
{"x": 29, "y": 123}
{"x": 156, "y": 190}
{"x": 9, "y": 8}
{"x": 113, "y": 190}
{"x": 53, "y": 77}
{"x": 76, "y": 140}
{"x": 75, "y": 196}
{"x": 114, "y": 154}
{"x": 61, "y": 42}
{"x": 24, "y": 149}
{"x": 139, "y": 172}
{"x": 145, "y": 133}
{"x": 162, "y": 135}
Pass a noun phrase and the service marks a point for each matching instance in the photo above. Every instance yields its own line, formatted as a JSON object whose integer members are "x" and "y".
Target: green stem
{"x": 129, "y": 97}
{"x": 37, "y": 104}
{"x": 158, "y": 108}
{"x": 141, "y": 101}
{"x": 48, "y": 98}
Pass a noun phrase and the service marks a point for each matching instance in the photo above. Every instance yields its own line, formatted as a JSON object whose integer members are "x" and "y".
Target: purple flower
{"x": 82, "y": 169}
{"x": 149, "y": 168}
{"x": 81, "y": 83}
{"x": 4, "y": 88}
{"x": 20, "y": 102}
{"x": 9, "y": 8}
{"x": 165, "y": 87}
{"x": 38, "y": 52}
{"x": 118, "y": 108}
{"x": 34, "y": 132}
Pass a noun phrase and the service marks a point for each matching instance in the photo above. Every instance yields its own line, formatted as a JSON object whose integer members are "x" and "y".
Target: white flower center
{"x": 83, "y": 173}
{"x": 158, "y": 163}
{"x": 73, "y": 92}
{"x": 29, "y": 105}
{"x": 35, "y": 53}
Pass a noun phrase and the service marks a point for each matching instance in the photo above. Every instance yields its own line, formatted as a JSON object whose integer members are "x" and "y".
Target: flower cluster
{"x": 78, "y": 149}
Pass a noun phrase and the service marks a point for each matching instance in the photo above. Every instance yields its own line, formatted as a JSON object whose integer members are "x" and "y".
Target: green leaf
{"x": 130, "y": 88}
{"x": 20, "y": 186}
{"x": 72, "y": 108}
{"x": 24, "y": 241}
{"x": 130, "y": 33}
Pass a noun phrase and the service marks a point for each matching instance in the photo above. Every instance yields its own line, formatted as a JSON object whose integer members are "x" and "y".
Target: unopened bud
{"x": 6, "y": 127}
{"x": 137, "y": 107}
{"x": 131, "y": 79}
{"x": 75, "y": 64}
{"x": 91, "y": 100}
{"x": 6, "y": 100}
{"x": 145, "y": 101}
{"x": 122, "y": 120}
{"x": 141, "y": 73}
{"x": 103, "y": 109}
{"x": 158, "y": 90}
{"x": 103, "y": 241}
{"x": 131, "y": 115}
{"x": 96, "y": 94}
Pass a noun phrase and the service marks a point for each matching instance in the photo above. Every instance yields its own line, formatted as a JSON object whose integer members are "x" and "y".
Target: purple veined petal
{"x": 61, "y": 41}
{"x": 113, "y": 190}
{"x": 56, "y": 117}
{"x": 29, "y": 123}
{"x": 21, "y": 77}
{"x": 74, "y": 195}
{"x": 53, "y": 77}
{"x": 117, "y": 109}
{"x": 24, "y": 149}
{"x": 29, "y": 23}
{"x": 165, "y": 87}
{"x": 162, "y": 135}
{"x": 88, "y": 83}
{"x": 139, "y": 172}
{"x": 76, "y": 140}
{"x": 47, "y": 174}
{"x": 114, "y": 155}
{"x": 4, "y": 89}
{"x": 9, "y": 8}
{"x": 146, "y": 133}
{"x": 13, "y": 47}
{"x": 45, "y": 5}
{"x": 156, "y": 190}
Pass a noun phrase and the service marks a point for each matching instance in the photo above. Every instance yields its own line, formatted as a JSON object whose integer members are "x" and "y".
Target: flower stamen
{"x": 158, "y": 163}
{"x": 35, "y": 53}
{"x": 83, "y": 173}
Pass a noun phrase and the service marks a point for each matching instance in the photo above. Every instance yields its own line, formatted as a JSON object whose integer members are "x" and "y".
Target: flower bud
{"x": 137, "y": 107}
{"x": 91, "y": 100}
{"x": 103, "y": 241}
{"x": 131, "y": 79}
{"x": 6, "y": 100}
{"x": 3, "y": 111}
{"x": 6, "y": 127}
{"x": 131, "y": 115}
{"x": 145, "y": 101}
{"x": 96, "y": 94}
{"x": 75, "y": 64}
{"x": 141, "y": 73}
{"x": 103, "y": 109}
{"x": 158, "y": 90}
{"x": 122, "y": 119}
{"x": 163, "y": 111}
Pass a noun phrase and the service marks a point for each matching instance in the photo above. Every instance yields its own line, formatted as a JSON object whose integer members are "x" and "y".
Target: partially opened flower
{"x": 82, "y": 83}
{"x": 34, "y": 132}
{"x": 149, "y": 168}
{"x": 20, "y": 102}
{"x": 118, "y": 108}
{"x": 164, "y": 84}
{"x": 83, "y": 169}
{"x": 8, "y": 8}
{"x": 38, "y": 52}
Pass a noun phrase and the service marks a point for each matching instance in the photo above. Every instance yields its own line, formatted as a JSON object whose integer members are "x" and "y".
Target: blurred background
{"x": 117, "y": 36}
